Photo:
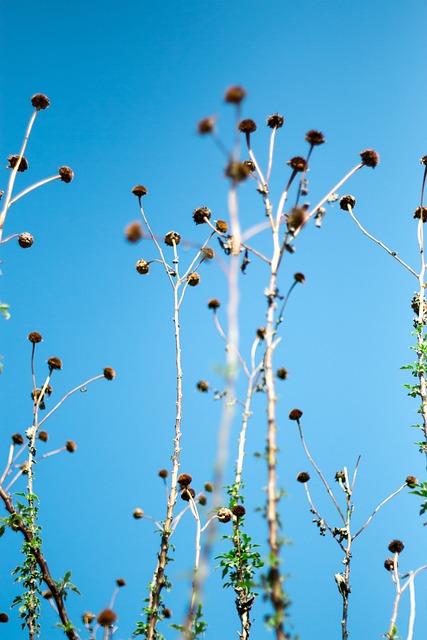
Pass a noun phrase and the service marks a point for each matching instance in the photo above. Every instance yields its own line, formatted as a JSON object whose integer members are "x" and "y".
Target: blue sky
{"x": 127, "y": 83}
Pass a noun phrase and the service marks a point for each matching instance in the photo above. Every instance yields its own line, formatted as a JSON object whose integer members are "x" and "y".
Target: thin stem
{"x": 34, "y": 186}
{"x": 67, "y": 395}
{"x": 375, "y": 511}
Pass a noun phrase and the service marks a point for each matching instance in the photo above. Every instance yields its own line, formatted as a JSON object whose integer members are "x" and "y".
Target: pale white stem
{"x": 393, "y": 495}
{"x": 34, "y": 186}
{"x": 412, "y": 610}
{"x": 67, "y": 395}
{"x": 8, "y": 464}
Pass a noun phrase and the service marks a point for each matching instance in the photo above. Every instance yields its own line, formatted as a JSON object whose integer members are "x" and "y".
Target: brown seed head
{"x": 133, "y": 232}
{"x": 423, "y": 160}
{"x": 193, "y": 279}
{"x": 184, "y": 479}
{"x": 214, "y": 304}
{"x": 340, "y": 475}
{"x": 295, "y": 414}
{"x": 396, "y": 546}
{"x": 88, "y": 617}
{"x": 139, "y": 191}
{"x": 421, "y": 211}
{"x": 282, "y": 373}
{"x": 13, "y": 161}
{"x": 303, "y": 477}
{"x": 235, "y": 95}
{"x": 314, "y": 137}
{"x": 109, "y": 373}
{"x": 238, "y": 510}
{"x": 40, "y": 101}
{"x": 66, "y": 173}
{"x": 411, "y": 481}
{"x": 4, "y": 617}
{"x": 224, "y": 514}
{"x": 261, "y": 333}
{"x": 35, "y": 337}
{"x": 187, "y": 493}
{"x": 298, "y": 163}
{"x": 54, "y": 363}
{"x": 247, "y": 126}
{"x": 17, "y": 438}
{"x": 221, "y": 226}
{"x": 43, "y": 436}
{"x": 138, "y": 514}
{"x": 120, "y": 582}
{"x": 25, "y": 240}
{"x": 163, "y": 473}
{"x": 209, "y": 487}
{"x": 296, "y": 218}
{"x": 299, "y": 277}
{"x": 208, "y": 253}
{"x": 172, "y": 238}
{"x": 167, "y": 613}
{"x": 237, "y": 171}
{"x": 71, "y": 446}
{"x": 107, "y": 618}
{"x": 203, "y": 385}
{"x": 370, "y": 158}
{"x": 203, "y": 500}
{"x": 206, "y": 125}
{"x": 48, "y": 390}
{"x": 389, "y": 564}
{"x": 201, "y": 214}
{"x": 275, "y": 121}
{"x": 250, "y": 165}
{"x": 346, "y": 202}
{"x": 47, "y": 594}
{"x": 142, "y": 266}
{"x": 25, "y": 467}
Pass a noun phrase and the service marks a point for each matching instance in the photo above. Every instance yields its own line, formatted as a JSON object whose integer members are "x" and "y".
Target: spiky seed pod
{"x": 340, "y": 475}
{"x": 261, "y": 333}
{"x": 250, "y": 165}
{"x": 303, "y": 477}
{"x": 234, "y": 95}
{"x": 203, "y": 500}
{"x": 208, "y": 253}
{"x": 25, "y": 240}
{"x": 221, "y": 226}
{"x": 133, "y": 232}
{"x": 120, "y": 582}
{"x": 213, "y": 303}
{"x": 275, "y": 121}
{"x": 297, "y": 163}
{"x": 109, "y": 373}
{"x": 35, "y": 337}
{"x": 421, "y": 211}
{"x": 187, "y": 493}
{"x": 282, "y": 373}
{"x": 299, "y": 277}
{"x": 172, "y": 238}
{"x": 184, "y": 479}
{"x": 43, "y": 436}
{"x": 314, "y": 137}
{"x": 66, "y": 173}
{"x": 295, "y": 414}
{"x": 193, "y": 279}
{"x": 163, "y": 473}
{"x": 209, "y": 487}
{"x": 139, "y": 191}
{"x": 54, "y": 363}
{"x": 4, "y": 617}
{"x": 389, "y": 564}
{"x": 347, "y": 201}
{"x": 40, "y": 101}
{"x": 237, "y": 171}
{"x": 247, "y": 126}
{"x": 17, "y": 438}
{"x": 206, "y": 125}
{"x": 296, "y": 218}
{"x": 13, "y": 161}
{"x": 238, "y": 510}
{"x": 201, "y": 214}
{"x": 224, "y": 514}
{"x": 88, "y": 617}
{"x": 423, "y": 160}
{"x": 107, "y": 618}
{"x": 142, "y": 266}
{"x": 203, "y": 385}
{"x": 411, "y": 481}
{"x": 138, "y": 514}
{"x": 396, "y": 546}
{"x": 71, "y": 446}
{"x": 370, "y": 158}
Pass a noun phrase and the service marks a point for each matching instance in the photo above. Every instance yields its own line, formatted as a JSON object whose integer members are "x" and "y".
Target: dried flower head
{"x": 423, "y": 160}
{"x": 4, "y": 617}
{"x": 275, "y": 121}
{"x": 224, "y": 514}
{"x": 163, "y": 473}
{"x": 208, "y": 253}
{"x": 295, "y": 414}
{"x": 138, "y": 514}
{"x": 172, "y": 238}
{"x": 201, "y": 215}
{"x": 389, "y": 564}
{"x": 203, "y": 385}
{"x": 40, "y": 101}
{"x": 297, "y": 217}
{"x": 421, "y": 212}
{"x": 346, "y": 202}
{"x": 109, "y": 373}
{"x": 66, "y": 173}
{"x": 120, "y": 582}
{"x": 88, "y": 617}
{"x": 282, "y": 373}
{"x": 203, "y": 500}
{"x": 209, "y": 487}
{"x": 184, "y": 479}
{"x": 43, "y": 436}
{"x": 206, "y": 125}
{"x": 48, "y": 390}
{"x": 221, "y": 226}
{"x": 25, "y": 240}
{"x": 142, "y": 266}
{"x": 133, "y": 232}
{"x": 17, "y": 438}
{"x": 261, "y": 333}
{"x": 54, "y": 363}
{"x": 370, "y": 158}
{"x": 250, "y": 165}
{"x": 411, "y": 481}
{"x": 107, "y": 618}
{"x": 35, "y": 337}
{"x": 238, "y": 510}
{"x": 71, "y": 446}
{"x": 187, "y": 493}
{"x": 139, "y": 191}
{"x": 340, "y": 476}
{"x": 297, "y": 163}
{"x": 314, "y": 137}
{"x": 193, "y": 279}
{"x": 214, "y": 304}
{"x": 303, "y": 477}
{"x": 234, "y": 95}
{"x": 13, "y": 161}
{"x": 247, "y": 126}
{"x": 396, "y": 546}
{"x": 237, "y": 171}
{"x": 25, "y": 467}
{"x": 47, "y": 594}
{"x": 167, "y": 613}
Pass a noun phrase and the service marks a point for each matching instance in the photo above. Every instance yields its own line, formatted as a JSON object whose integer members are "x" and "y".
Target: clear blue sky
{"x": 127, "y": 83}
